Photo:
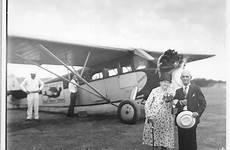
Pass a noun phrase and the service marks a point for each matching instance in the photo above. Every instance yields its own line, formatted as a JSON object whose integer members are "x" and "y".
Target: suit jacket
{"x": 195, "y": 100}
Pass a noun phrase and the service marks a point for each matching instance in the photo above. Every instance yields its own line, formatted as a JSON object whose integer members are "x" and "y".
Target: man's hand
{"x": 37, "y": 91}
{"x": 183, "y": 102}
{"x": 195, "y": 114}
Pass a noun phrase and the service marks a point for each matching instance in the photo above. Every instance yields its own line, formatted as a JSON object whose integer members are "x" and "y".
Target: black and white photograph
{"x": 114, "y": 75}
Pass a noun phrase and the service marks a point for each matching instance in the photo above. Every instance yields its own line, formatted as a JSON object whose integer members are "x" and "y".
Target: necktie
{"x": 185, "y": 95}
{"x": 185, "y": 91}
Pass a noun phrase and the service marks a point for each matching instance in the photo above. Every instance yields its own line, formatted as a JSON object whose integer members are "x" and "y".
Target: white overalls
{"x": 32, "y": 85}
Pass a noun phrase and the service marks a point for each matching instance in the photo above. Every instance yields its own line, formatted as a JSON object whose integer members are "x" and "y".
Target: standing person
{"x": 32, "y": 86}
{"x": 189, "y": 96}
{"x": 73, "y": 95}
{"x": 159, "y": 117}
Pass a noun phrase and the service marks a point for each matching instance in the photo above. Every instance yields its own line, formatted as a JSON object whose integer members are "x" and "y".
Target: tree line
{"x": 202, "y": 82}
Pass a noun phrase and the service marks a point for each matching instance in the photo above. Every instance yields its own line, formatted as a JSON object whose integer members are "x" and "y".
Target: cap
{"x": 33, "y": 72}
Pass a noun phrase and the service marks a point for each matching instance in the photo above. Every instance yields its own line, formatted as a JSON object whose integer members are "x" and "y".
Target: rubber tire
{"x": 136, "y": 109}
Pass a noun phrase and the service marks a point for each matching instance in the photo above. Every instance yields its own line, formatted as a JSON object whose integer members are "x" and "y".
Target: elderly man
{"x": 191, "y": 98}
{"x": 32, "y": 86}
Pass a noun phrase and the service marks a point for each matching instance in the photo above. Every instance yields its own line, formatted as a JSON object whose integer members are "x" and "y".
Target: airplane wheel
{"x": 128, "y": 112}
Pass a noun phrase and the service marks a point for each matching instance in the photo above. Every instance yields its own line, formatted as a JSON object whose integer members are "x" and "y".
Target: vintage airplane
{"x": 111, "y": 79}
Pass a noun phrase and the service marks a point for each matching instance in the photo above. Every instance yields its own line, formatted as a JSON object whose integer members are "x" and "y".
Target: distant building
{"x": 12, "y": 83}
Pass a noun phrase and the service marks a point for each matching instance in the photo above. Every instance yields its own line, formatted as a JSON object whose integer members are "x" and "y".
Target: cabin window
{"x": 126, "y": 69}
{"x": 98, "y": 75}
{"x": 113, "y": 72}
{"x": 140, "y": 67}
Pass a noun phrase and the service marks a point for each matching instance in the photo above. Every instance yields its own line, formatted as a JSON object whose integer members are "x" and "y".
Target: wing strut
{"x": 75, "y": 73}
{"x": 143, "y": 54}
{"x": 87, "y": 58}
{"x": 34, "y": 63}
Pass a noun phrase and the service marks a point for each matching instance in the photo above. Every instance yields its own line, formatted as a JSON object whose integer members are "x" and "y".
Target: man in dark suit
{"x": 191, "y": 98}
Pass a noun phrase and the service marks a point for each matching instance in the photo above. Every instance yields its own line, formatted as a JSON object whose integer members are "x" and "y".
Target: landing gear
{"x": 129, "y": 112}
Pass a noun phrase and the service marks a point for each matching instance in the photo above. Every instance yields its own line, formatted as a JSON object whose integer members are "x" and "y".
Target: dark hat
{"x": 166, "y": 77}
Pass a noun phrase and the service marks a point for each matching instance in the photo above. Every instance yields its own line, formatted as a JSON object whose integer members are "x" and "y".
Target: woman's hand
{"x": 175, "y": 101}
{"x": 151, "y": 121}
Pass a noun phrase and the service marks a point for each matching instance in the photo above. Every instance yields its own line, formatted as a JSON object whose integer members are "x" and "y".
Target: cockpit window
{"x": 139, "y": 63}
{"x": 113, "y": 72}
{"x": 98, "y": 75}
{"x": 126, "y": 69}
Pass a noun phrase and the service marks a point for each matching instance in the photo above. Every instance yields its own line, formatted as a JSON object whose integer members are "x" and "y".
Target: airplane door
{"x": 119, "y": 87}
{"x": 127, "y": 80}
{"x": 134, "y": 79}
{"x": 113, "y": 90}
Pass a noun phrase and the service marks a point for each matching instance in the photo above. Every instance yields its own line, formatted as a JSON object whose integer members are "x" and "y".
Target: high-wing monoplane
{"x": 111, "y": 79}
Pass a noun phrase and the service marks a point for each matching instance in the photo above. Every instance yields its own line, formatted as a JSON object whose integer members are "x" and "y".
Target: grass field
{"x": 57, "y": 132}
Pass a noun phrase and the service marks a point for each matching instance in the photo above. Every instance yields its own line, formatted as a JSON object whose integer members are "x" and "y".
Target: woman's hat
{"x": 166, "y": 77}
{"x": 185, "y": 119}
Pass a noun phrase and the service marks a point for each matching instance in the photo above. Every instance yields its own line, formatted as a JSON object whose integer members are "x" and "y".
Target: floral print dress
{"x": 157, "y": 109}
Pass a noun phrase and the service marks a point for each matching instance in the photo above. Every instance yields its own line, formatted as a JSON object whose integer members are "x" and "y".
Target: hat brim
{"x": 185, "y": 116}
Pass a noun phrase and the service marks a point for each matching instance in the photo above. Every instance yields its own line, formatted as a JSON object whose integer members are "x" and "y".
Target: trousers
{"x": 187, "y": 138}
{"x": 73, "y": 97}
{"x": 32, "y": 102}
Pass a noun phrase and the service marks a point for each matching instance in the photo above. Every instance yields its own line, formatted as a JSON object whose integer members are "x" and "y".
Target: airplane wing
{"x": 188, "y": 57}
{"x": 195, "y": 57}
{"x": 75, "y": 54}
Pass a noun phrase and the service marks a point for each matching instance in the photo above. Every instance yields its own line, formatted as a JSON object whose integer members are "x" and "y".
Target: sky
{"x": 188, "y": 26}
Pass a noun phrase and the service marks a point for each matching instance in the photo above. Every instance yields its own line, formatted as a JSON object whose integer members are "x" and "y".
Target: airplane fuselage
{"x": 116, "y": 88}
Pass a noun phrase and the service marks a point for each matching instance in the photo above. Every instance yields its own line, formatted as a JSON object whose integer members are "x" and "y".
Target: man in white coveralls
{"x": 32, "y": 86}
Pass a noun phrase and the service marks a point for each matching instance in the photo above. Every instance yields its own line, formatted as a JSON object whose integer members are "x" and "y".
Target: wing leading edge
{"x": 188, "y": 57}
{"x": 75, "y": 54}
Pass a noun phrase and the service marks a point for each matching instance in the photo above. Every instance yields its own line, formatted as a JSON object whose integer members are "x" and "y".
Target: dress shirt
{"x": 72, "y": 87}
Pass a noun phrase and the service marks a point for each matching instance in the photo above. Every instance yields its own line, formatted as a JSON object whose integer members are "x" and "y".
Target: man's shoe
{"x": 37, "y": 119}
{"x": 28, "y": 119}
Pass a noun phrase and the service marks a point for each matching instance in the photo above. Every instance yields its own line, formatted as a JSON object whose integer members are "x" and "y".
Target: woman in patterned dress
{"x": 159, "y": 118}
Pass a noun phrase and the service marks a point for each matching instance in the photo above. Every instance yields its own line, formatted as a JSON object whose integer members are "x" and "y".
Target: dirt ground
{"x": 57, "y": 132}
